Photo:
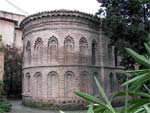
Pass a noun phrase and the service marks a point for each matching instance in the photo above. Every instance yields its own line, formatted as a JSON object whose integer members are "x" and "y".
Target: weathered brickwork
{"x": 63, "y": 51}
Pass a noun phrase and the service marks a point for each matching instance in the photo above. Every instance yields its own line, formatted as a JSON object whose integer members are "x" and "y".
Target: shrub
{"x": 4, "y": 106}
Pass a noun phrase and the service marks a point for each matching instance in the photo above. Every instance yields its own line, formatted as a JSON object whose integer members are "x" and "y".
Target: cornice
{"x": 43, "y": 66}
{"x": 81, "y": 66}
{"x": 59, "y": 13}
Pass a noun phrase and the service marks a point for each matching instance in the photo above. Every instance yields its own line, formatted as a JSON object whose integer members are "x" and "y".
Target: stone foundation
{"x": 66, "y": 104}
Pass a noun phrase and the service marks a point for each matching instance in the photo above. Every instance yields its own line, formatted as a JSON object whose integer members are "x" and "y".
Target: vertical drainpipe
{"x": 101, "y": 56}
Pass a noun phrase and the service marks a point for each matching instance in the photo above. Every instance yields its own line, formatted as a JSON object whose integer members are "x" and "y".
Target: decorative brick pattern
{"x": 68, "y": 49}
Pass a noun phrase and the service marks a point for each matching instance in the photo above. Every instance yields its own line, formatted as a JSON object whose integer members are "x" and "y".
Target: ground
{"x": 17, "y": 107}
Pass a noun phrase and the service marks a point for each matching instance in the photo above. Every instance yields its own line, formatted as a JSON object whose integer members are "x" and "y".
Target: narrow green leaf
{"x": 99, "y": 110}
{"x": 138, "y": 83}
{"x": 102, "y": 93}
{"x": 139, "y": 101}
{"x": 90, "y": 109}
{"x": 147, "y": 108}
{"x": 147, "y": 48}
{"x": 118, "y": 94}
{"x": 134, "y": 79}
{"x": 142, "y": 94}
{"x": 126, "y": 97}
{"x": 147, "y": 88}
{"x": 136, "y": 104}
{"x": 139, "y": 71}
{"x": 90, "y": 98}
{"x": 138, "y": 58}
{"x": 139, "y": 110}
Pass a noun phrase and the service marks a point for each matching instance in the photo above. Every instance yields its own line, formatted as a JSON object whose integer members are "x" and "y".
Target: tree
{"x": 127, "y": 24}
{"x": 13, "y": 71}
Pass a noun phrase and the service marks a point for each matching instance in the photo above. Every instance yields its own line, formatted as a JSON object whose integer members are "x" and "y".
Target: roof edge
{"x": 60, "y": 12}
{"x": 12, "y": 13}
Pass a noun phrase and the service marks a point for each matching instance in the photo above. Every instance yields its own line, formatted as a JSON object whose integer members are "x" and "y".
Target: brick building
{"x": 9, "y": 29}
{"x": 63, "y": 51}
{"x": 10, "y": 33}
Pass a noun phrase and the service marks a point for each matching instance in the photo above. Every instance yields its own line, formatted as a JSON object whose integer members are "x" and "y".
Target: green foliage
{"x": 99, "y": 105}
{"x": 4, "y": 106}
{"x": 137, "y": 58}
{"x": 13, "y": 71}
{"x": 127, "y": 24}
{"x": 1, "y": 87}
{"x": 139, "y": 101}
{"x": 139, "y": 79}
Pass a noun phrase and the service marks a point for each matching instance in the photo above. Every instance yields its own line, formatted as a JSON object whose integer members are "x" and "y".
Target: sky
{"x": 34, "y": 6}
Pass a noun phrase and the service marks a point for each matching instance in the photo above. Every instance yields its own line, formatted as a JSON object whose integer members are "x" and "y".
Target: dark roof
{"x": 63, "y": 12}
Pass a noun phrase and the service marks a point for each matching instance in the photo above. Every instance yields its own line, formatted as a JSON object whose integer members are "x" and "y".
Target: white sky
{"x": 34, "y": 6}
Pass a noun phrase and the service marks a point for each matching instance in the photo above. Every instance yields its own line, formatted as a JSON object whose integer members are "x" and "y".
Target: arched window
{"x": 111, "y": 77}
{"x": 110, "y": 54}
{"x": 28, "y": 82}
{"x": 28, "y": 52}
{"x": 116, "y": 56}
{"x": 84, "y": 82}
{"x": 94, "y": 47}
{"x": 95, "y": 90}
{"x": 69, "y": 81}
{"x": 83, "y": 44}
{"x": 38, "y": 48}
{"x": 69, "y": 49}
{"x": 38, "y": 84}
{"x": 52, "y": 83}
{"x": 119, "y": 80}
{"x": 52, "y": 51}
{"x": 24, "y": 54}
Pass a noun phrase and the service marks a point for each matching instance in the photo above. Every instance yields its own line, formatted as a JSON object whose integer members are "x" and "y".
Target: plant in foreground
{"x": 4, "y": 106}
{"x": 140, "y": 103}
{"x": 97, "y": 105}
